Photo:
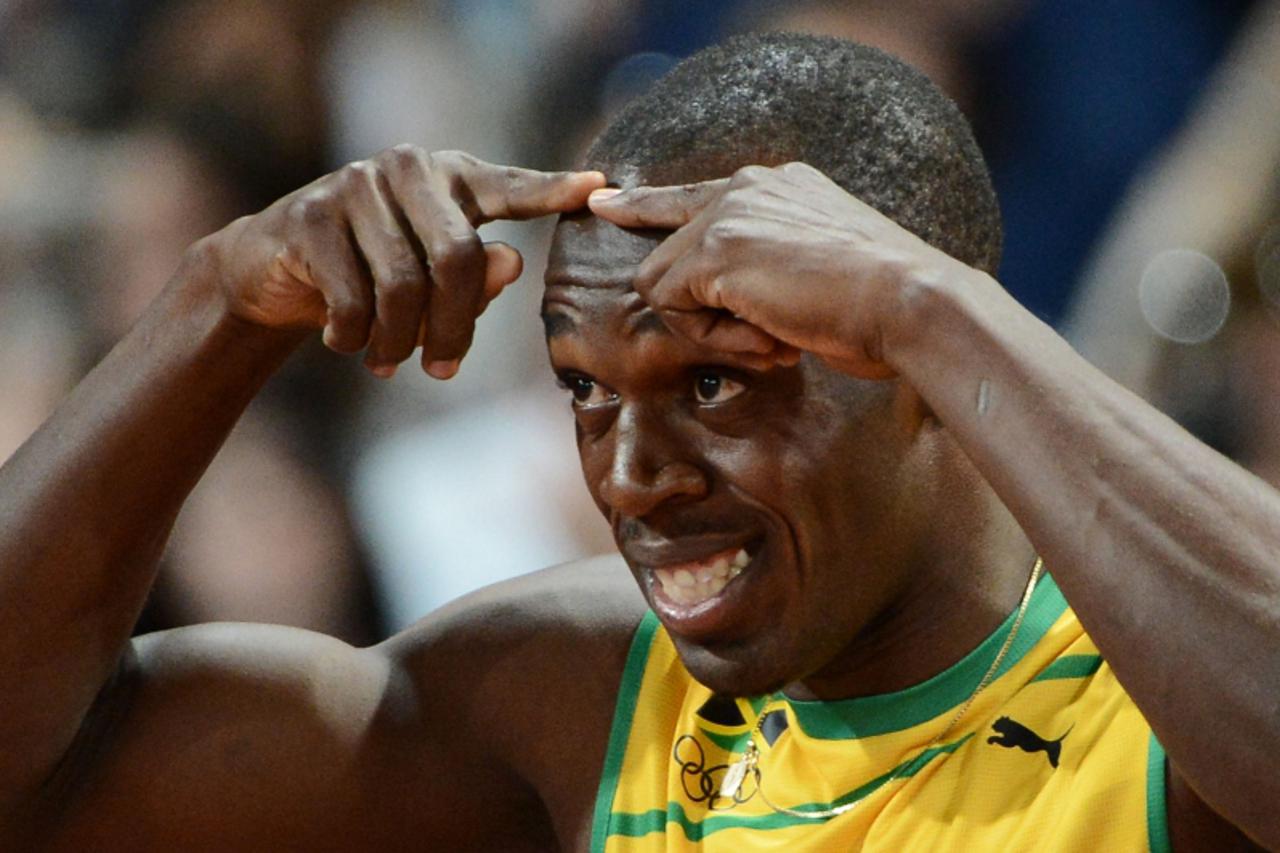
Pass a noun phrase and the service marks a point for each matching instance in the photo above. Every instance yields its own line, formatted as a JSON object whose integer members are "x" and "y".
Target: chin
{"x": 734, "y": 672}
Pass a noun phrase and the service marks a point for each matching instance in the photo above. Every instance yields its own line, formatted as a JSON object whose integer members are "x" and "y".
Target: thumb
{"x": 655, "y": 207}
{"x": 504, "y": 265}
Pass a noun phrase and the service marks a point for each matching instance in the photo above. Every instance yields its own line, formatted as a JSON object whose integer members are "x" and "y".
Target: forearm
{"x": 1169, "y": 552}
{"x": 87, "y": 503}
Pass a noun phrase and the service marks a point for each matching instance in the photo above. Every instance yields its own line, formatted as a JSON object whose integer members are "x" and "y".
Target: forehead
{"x": 589, "y": 308}
{"x": 587, "y": 251}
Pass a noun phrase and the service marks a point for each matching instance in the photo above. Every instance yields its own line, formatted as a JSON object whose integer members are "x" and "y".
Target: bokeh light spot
{"x": 1184, "y": 296}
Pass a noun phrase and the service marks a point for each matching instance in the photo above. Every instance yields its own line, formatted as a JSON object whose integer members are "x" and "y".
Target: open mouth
{"x": 695, "y": 582}
{"x": 709, "y": 594}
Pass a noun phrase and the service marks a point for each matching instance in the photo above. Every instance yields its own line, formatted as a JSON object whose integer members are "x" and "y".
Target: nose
{"x": 647, "y": 469}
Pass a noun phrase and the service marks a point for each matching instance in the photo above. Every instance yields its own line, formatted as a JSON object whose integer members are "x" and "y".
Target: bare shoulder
{"x": 595, "y": 598}
{"x": 528, "y": 673}
{"x": 509, "y": 650}
{"x": 482, "y": 726}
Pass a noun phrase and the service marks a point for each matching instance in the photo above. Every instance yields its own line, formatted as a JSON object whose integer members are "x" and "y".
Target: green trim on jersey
{"x": 1157, "y": 815}
{"x": 1071, "y": 666}
{"x": 655, "y": 820}
{"x": 868, "y": 716}
{"x": 628, "y": 694}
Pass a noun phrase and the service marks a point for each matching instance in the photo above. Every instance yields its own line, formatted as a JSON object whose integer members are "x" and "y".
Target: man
{"x": 830, "y": 452}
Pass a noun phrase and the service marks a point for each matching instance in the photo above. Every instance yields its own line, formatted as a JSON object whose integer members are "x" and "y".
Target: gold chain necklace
{"x": 750, "y": 760}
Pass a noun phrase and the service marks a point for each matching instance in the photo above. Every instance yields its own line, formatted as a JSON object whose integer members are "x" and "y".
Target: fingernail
{"x": 443, "y": 369}
{"x": 383, "y": 371}
{"x": 603, "y": 195}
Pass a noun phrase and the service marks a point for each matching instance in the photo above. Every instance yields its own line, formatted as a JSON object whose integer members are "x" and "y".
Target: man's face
{"x": 762, "y": 513}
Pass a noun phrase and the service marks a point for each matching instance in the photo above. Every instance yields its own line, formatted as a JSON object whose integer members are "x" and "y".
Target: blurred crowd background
{"x": 1135, "y": 146}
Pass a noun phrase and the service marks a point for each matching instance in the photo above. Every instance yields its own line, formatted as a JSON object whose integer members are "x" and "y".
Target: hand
{"x": 384, "y": 254}
{"x": 774, "y": 261}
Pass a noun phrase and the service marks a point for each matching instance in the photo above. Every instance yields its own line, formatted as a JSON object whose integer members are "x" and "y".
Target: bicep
{"x": 235, "y": 735}
{"x": 1194, "y": 826}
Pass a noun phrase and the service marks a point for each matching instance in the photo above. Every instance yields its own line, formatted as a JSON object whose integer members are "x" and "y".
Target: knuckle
{"x": 404, "y": 152}
{"x": 361, "y": 169}
{"x": 403, "y": 158}
{"x": 747, "y": 176}
{"x": 724, "y": 232}
{"x": 348, "y": 313}
{"x": 456, "y": 252}
{"x": 359, "y": 176}
{"x": 450, "y": 160}
{"x": 398, "y": 289}
{"x": 647, "y": 276}
{"x": 308, "y": 210}
{"x": 516, "y": 180}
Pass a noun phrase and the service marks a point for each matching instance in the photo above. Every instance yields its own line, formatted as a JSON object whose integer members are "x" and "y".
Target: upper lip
{"x": 659, "y": 553}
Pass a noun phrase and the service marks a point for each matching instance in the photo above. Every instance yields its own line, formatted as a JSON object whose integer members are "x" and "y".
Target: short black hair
{"x": 873, "y": 124}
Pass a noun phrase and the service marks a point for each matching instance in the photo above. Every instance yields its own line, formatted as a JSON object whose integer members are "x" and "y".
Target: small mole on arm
{"x": 984, "y": 397}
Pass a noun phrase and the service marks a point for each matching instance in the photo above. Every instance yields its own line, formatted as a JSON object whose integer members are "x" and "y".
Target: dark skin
{"x": 696, "y": 432}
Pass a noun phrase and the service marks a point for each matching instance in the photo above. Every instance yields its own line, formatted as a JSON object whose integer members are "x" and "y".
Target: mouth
{"x": 706, "y": 598}
{"x": 698, "y": 581}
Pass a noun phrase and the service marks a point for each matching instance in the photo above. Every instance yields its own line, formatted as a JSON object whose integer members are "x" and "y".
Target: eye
{"x": 711, "y": 388}
{"x": 586, "y": 391}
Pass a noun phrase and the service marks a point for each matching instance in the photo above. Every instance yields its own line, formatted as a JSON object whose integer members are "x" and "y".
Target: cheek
{"x": 594, "y": 460}
{"x": 831, "y": 482}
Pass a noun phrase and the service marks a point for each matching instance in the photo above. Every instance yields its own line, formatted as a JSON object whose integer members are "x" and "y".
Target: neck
{"x": 956, "y": 596}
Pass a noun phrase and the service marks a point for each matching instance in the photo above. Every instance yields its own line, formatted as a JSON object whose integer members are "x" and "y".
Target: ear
{"x": 910, "y": 411}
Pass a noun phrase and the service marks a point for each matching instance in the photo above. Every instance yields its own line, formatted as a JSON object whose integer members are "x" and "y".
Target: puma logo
{"x": 1010, "y": 734}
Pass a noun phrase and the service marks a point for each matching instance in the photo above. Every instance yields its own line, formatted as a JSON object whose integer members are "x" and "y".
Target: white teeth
{"x": 687, "y": 587}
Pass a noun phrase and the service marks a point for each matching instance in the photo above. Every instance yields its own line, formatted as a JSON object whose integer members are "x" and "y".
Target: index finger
{"x": 656, "y": 207}
{"x": 487, "y": 192}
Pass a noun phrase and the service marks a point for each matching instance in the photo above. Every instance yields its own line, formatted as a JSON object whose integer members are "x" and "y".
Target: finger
{"x": 720, "y": 330}
{"x": 691, "y": 296}
{"x": 684, "y": 243}
{"x": 400, "y": 280}
{"x": 656, "y": 207}
{"x": 766, "y": 362}
{"x": 332, "y": 267}
{"x": 787, "y": 355}
{"x": 504, "y": 266}
{"x": 458, "y": 265}
{"x": 486, "y": 191}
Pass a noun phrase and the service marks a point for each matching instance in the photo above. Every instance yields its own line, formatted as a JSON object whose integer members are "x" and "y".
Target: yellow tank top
{"x": 1052, "y": 755}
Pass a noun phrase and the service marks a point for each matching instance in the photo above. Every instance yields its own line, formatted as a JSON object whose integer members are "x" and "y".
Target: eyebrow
{"x": 648, "y": 321}
{"x": 557, "y": 323}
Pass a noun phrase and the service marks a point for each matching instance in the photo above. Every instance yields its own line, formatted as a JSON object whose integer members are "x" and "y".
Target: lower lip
{"x": 716, "y": 617}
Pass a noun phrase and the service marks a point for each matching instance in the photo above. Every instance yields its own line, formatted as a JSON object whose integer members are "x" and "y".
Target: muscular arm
{"x": 454, "y": 735}
{"x": 86, "y": 505}
{"x": 1169, "y": 552}
{"x": 383, "y": 256}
